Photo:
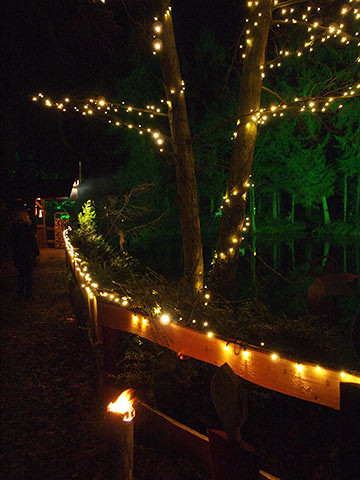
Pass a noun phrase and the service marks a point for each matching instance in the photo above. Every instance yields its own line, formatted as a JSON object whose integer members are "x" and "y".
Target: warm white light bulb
{"x": 157, "y": 27}
{"x": 165, "y": 319}
{"x": 157, "y": 44}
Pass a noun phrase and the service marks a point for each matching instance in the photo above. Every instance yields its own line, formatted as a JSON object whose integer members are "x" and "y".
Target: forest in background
{"x": 305, "y": 176}
{"x": 306, "y": 166}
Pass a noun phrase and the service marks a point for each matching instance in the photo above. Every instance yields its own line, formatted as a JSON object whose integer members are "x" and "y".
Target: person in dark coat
{"x": 24, "y": 249}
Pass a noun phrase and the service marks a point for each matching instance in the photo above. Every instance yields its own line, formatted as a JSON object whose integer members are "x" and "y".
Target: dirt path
{"x": 52, "y": 423}
{"x": 52, "y": 426}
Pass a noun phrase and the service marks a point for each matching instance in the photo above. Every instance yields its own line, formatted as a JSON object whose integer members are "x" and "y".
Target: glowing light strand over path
{"x": 92, "y": 107}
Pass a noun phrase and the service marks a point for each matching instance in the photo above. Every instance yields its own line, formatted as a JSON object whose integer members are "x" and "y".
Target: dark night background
{"x": 83, "y": 48}
{"x": 60, "y": 48}
{"x": 80, "y": 49}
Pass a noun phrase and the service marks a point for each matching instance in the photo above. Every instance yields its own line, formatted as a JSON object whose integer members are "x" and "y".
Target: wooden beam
{"x": 306, "y": 381}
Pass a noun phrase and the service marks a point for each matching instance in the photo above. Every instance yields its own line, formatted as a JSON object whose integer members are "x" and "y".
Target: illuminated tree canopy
{"x": 291, "y": 58}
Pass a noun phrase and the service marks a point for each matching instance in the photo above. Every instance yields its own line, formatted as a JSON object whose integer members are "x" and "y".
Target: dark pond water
{"x": 313, "y": 267}
{"x": 281, "y": 275}
{"x": 289, "y": 256}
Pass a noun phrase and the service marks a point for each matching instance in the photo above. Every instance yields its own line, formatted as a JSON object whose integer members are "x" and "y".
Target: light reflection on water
{"x": 286, "y": 254}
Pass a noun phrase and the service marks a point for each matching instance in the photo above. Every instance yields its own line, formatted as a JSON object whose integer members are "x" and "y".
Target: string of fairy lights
{"x": 308, "y": 18}
{"x": 313, "y": 105}
{"x": 324, "y": 103}
{"x": 91, "y": 107}
{"x": 94, "y": 291}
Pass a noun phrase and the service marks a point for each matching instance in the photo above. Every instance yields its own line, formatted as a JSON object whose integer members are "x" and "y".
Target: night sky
{"x": 81, "y": 48}
{"x": 78, "y": 48}
{"x": 59, "y": 48}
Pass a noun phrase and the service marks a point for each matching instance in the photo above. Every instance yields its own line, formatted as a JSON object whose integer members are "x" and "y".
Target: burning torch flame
{"x": 123, "y": 405}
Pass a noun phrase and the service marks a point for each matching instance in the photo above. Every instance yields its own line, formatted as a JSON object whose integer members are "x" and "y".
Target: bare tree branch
{"x": 288, "y": 3}
{"x": 273, "y": 93}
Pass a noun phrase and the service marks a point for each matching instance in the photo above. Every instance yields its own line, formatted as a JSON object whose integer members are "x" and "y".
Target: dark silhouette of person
{"x": 24, "y": 250}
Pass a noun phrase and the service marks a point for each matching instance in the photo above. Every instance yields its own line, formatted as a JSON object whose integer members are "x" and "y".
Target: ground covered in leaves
{"x": 52, "y": 419}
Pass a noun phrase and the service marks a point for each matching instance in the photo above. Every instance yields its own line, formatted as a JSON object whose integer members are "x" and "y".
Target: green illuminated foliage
{"x": 86, "y": 236}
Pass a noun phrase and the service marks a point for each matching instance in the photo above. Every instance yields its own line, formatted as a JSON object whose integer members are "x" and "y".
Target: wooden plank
{"x": 306, "y": 381}
{"x": 173, "y": 434}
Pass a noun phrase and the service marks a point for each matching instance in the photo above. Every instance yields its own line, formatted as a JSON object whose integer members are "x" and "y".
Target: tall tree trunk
{"x": 292, "y": 250}
{"x": 308, "y": 212}
{"x": 252, "y": 210}
{"x": 325, "y": 210}
{"x": 232, "y": 222}
{"x": 344, "y": 257}
{"x": 276, "y": 255}
{"x": 308, "y": 249}
{"x": 292, "y": 211}
{"x": 275, "y": 205}
{"x": 345, "y": 197}
{"x": 183, "y": 152}
{"x": 253, "y": 265}
{"x": 357, "y": 202}
{"x": 326, "y": 252}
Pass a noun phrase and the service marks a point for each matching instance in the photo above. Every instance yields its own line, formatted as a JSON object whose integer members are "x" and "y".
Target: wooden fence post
{"x": 350, "y": 431}
{"x": 120, "y": 433}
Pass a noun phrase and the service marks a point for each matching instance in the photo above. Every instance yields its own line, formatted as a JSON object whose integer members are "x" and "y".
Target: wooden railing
{"x": 309, "y": 382}
{"x": 306, "y": 381}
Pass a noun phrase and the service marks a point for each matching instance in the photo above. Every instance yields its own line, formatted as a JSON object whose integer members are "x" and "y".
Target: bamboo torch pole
{"x": 120, "y": 436}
